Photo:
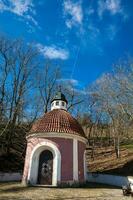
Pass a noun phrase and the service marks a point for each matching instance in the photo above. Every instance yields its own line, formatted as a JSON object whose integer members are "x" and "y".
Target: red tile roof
{"x": 57, "y": 121}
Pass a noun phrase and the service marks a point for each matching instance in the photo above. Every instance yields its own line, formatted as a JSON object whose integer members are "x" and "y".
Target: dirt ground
{"x": 15, "y": 191}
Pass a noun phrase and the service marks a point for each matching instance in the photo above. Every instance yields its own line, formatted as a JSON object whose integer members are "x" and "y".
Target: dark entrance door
{"x": 45, "y": 169}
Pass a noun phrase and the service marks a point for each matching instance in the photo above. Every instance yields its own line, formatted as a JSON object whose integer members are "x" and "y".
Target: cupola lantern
{"x": 59, "y": 101}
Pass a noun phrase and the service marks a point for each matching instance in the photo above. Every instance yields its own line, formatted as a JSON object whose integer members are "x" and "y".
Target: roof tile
{"x": 57, "y": 120}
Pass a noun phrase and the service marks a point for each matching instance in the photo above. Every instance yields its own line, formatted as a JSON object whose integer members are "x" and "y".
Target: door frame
{"x": 41, "y": 161}
{"x": 34, "y": 162}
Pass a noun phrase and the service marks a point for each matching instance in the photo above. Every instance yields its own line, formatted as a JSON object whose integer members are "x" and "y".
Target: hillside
{"x": 105, "y": 161}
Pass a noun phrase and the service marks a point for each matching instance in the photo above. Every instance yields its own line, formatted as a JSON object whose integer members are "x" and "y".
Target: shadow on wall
{"x": 10, "y": 177}
{"x": 109, "y": 179}
{"x": 126, "y": 170}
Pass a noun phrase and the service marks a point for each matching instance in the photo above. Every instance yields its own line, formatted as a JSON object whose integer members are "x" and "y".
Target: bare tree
{"x": 112, "y": 101}
{"x": 46, "y": 84}
{"x": 18, "y": 63}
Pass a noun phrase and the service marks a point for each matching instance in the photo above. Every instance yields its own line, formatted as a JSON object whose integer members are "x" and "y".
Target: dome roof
{"x": 57, "y": 120}
{"x": 59, "y": 96}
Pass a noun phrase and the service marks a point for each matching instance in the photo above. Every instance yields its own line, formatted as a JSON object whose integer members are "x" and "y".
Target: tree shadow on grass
{"x": 91, "y": 185}
{"x": 100, "y": 197}
{"x": 16, "y": 188}
{"x": 14, "y": 198}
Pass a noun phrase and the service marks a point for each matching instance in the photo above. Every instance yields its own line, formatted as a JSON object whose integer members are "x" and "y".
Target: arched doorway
{"x": 45, "y": 170}
{"x": 34, "y": 162}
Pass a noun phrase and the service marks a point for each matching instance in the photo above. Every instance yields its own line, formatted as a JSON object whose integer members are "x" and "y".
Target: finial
{"x": 59, "y": 88}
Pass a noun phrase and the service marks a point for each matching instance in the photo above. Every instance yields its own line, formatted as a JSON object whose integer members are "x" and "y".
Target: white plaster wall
{"x": 60, "y": 106}
{"x": 75, "y": 159}
{"x": 85, "y": 166}
{"x": 109, "y": 179}
{"x": 10, "y": 177}
{"x": 131, "y": 182}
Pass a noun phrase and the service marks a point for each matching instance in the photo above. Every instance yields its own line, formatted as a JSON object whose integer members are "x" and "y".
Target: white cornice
{"x": 58, "y": 135}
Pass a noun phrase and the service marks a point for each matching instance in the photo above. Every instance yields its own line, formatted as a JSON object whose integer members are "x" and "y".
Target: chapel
{"x": 56, "y": 147}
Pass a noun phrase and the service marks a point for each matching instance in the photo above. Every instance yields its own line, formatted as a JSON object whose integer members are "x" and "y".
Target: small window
{"x": 57, "y": 103}
{"x": 63, "y": 104}
{"x": 53, "y": 104}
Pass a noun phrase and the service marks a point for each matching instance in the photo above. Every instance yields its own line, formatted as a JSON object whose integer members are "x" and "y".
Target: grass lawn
{"x": 15, "y": 191}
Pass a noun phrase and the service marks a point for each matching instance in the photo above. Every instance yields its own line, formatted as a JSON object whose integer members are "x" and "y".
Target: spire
{"x": 59, "y": 88}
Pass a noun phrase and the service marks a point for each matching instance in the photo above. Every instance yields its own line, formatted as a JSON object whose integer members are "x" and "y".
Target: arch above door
{"x": 34, "y": 162}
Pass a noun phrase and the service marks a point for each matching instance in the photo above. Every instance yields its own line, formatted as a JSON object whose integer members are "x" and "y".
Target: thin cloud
{"x": 29, "y": 17}
{"x": 94, "y": 32}
{"x": 90, "y": 11}
{"x": 53, "y": 52}
{"x": 73, "y": 82}
{"x": 112, "y": 31}
{"x": 73, "y": 13}
{"x": 112, "y": 6}
{"x": 22, "y": 8}
{"x": 72, "y": 85}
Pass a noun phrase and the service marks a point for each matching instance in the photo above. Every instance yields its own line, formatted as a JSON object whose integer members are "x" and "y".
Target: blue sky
{"x": 86, "y": 37}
